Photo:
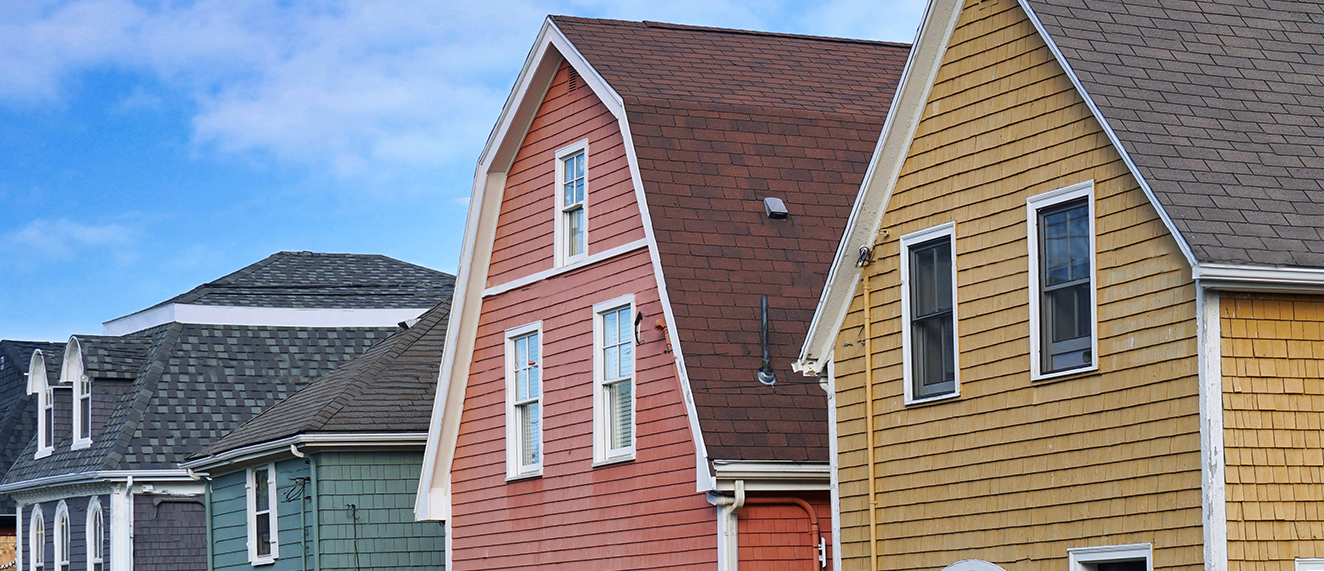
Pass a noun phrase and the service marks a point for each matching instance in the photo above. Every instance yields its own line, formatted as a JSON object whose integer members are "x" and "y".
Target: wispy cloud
{"x": 363, "y": 90}
{"x": 64, "y": 239}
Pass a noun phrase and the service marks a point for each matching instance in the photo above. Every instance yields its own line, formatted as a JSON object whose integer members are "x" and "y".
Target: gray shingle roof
{"x": 390, "y": 388}
{"x": 318, "y": 280}
{"x": 1220, "y": 104}
{"x": 197, "y": 382}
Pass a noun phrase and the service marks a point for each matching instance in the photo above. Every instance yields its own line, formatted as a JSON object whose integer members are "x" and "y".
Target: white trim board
{"x": 1213, "y": 470}
{"x": 258, "y": 316}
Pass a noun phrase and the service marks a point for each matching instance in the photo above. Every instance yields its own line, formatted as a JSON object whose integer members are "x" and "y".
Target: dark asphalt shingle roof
{"x": 388, "y": 389}
{"x": 320, "y": 280}
{"x": 721, "y": 119}
{"x": 1220, "y": 104}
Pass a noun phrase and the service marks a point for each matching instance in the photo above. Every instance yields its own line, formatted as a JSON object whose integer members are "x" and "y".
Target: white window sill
{"x": 1066, "y": 373}
{"x": 80, "y": 444}
{"x": 261, "y": 562}
{"x": 935, "y": 398}
{"x": 621, "y": 459}
{"x": 525, "y": 476}
{"x": 44, "y": 452}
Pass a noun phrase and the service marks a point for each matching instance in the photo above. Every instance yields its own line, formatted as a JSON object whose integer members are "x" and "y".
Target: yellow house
{"x": 1075, "y": 320}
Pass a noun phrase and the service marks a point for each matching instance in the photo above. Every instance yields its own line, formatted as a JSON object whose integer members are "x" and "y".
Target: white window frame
{"x": 1309, "y": 564}
{"x": 563, "y": 256}
{"x": 251, "y": 493}
{"x": 1035, "y": 204}
{"x": 947, "y": 230}
{"x": 96, "y": 556}
{"x": 45, "y": 409}
{"x": 515, "y": 470}
{"x": 1085, "y": 558}
{"x": 63, "y": 538}
{"x": 81, "y": 423}
{"x": 602, "y": 451}
{"x": 37, "y": 539}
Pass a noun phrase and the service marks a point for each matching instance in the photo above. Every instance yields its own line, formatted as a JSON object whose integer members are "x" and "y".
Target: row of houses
{"x": 1040, "y": 291}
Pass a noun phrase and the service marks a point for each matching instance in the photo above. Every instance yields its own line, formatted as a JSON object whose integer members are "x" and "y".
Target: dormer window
{"x": 82, "y": 411}
{"x": 40, "y": 386}
{"x": 572, "y": 214}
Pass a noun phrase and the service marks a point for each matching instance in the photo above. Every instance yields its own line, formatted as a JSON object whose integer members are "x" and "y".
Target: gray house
{"x": 100, "y": 486}
{"x": 18, "y": 418}
{"x": 326, "y": 478}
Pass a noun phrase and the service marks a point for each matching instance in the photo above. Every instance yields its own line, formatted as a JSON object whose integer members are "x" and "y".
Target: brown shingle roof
{"x": 722, "y": 119}
{"x": 1220, "y": 104}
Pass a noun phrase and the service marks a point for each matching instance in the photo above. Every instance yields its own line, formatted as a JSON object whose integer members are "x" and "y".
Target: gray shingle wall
{"x": 1220, "y": 104}
{"x": 77, "y": 507}
{"x": 169, "y": 533}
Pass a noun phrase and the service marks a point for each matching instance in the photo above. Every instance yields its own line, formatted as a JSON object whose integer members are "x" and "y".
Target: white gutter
{"x": 1230, "y": 276}
{"x": 97, "y": 476}
{"x": 772, "y": 476}
{"x": 290, "y": 443}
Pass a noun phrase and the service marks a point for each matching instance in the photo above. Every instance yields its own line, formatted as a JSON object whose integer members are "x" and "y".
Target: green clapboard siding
{"x": 381, "y": 485}
{"x": 229, "y": 519}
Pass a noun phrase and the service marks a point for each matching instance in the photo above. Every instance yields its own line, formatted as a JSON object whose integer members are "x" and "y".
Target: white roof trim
{"x": 1231, "y": 276}
{"x": 866, "y": 216}
{"x": 550, "y": 48}
{"x": 772, "y": 476}
{"x": 1112, "y": 136}
{"x": 99, "y": 476}
{"x": 317, "y": 439}
{"x": 258, "y": 316}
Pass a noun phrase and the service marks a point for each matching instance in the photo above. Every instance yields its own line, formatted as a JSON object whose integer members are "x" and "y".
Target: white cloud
{"x": 373, "y": 91}
{"x": 63, "y": 239}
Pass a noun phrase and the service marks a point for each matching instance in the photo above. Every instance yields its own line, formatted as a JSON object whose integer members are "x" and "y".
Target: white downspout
{"x": 728, "y": 527}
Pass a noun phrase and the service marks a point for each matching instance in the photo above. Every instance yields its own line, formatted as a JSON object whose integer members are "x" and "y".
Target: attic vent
{"x": 574, "y": 80}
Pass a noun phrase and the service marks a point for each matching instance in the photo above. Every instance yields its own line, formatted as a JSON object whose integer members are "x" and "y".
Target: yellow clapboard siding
{"x": 1273, "y": 433}
{"x": 1016, "y": 472}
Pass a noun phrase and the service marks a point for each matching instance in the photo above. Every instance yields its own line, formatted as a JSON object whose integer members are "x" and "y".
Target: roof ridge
{"x": 715, "y": 29}
{"x": 146, "y": 391}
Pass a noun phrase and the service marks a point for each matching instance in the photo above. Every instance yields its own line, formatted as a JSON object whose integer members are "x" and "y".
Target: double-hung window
{"x": 263, "y": 545}
{"x": 96, "y": 537}
{"x": 928, "y": 306}
{"x": 82, "y": 411}
{"x": 46, "y": 430}
{"x": 524, "y": 401}
{"x": 572, "y": 213}
{"x": 1063, "y": 319}
{"x": 37, "y": 540}
{"x": 62, "y": 539}
{"x": 613, "y": 380}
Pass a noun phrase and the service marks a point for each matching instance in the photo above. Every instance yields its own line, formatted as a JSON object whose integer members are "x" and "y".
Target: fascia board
{"x": 1246, "y": 277}
{"x": 889, "y": 155}
{"x": 316, "y": 440}
{"x": 97, "y": 477}
{"x": 1108, "y": 130}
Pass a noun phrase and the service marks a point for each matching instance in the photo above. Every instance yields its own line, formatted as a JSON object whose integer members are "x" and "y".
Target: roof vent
{"x": 574, "y": 80}
{"x": 775, "y": 208}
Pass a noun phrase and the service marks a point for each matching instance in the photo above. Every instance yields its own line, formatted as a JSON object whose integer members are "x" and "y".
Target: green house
{"x": 326, "y": 478}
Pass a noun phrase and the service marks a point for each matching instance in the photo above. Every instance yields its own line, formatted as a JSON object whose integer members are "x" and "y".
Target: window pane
{"x": 50, "y": 426}
{"x": 530, "y": 429}
{"x": 627, "y": 357}
{"x": 263, "y": 533}
{"x": 609, "y": 332}
{"x": 575, "y": 231}
{"x": 260, "y": 496}
{"x": 935, "y": 359}
{"x": 621, "y": 410}
{"x": 86, "y": 428}
{"x": 1122, "y": 566}
{"x": 1066, "y": 255}
{"x": 611, "y": 357}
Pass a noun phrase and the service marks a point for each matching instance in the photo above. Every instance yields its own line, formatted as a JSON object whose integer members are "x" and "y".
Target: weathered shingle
{"x": 1220, "y": 104}
{"x": 722, "y": 119}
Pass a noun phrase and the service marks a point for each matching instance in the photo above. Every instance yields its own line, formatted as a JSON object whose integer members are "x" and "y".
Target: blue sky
{"x": 147, "y": 147}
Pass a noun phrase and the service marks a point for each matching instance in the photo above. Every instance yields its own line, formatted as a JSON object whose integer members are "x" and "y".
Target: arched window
{"x": 37, "y": 540}
{"x": 40, "y": 386}
{"x": 96, "y": 537}
{"x": 62, "y": 542}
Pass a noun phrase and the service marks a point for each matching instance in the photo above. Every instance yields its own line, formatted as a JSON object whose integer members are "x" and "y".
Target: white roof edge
{"x": 1236, "y": 276}
{"x": 259, "y": 316}
{"x": 1108, "y": 130}
{"x": 328, "y": 439}
{"x": 866, "y": 216}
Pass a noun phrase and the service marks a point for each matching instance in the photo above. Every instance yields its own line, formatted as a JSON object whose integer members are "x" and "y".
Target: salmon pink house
{"x": 652, "y": 223}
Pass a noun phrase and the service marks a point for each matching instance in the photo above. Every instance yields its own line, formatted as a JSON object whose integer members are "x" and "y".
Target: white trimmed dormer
{"x": 74, "y": 374}
{"x": 39, "y": 385}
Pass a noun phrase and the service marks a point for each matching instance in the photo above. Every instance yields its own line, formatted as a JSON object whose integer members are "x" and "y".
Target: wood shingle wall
{"x": 1013, "y": 471}
{"x": 1273, "y": 360}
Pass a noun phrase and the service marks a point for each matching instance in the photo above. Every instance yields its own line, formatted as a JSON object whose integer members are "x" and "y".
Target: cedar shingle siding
{"x": 1013, "y": 471}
